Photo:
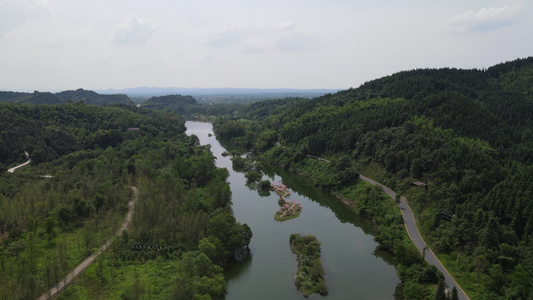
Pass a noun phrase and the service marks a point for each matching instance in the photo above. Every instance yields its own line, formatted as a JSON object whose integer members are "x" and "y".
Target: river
{"x": 354, "y": 268}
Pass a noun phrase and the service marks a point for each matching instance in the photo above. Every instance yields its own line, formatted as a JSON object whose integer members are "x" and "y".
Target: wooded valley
{"x": 466, "y": 135}
{"x": 183, "y": 226}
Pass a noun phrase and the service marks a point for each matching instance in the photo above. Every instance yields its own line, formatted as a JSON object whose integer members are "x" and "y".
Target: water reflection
{"x": 355, "y": 269}
{"x": 302, "y": 186}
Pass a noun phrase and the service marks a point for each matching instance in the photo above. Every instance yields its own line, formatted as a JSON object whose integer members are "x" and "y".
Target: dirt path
{"x": 12, "y": 170}
{"x": 67, "y": 280}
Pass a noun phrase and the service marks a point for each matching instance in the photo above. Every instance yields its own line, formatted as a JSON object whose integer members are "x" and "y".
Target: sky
{"x": 54, "y": 45}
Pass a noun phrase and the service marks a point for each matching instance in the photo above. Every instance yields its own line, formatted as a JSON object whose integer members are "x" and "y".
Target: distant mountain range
{"x": 86, "y": 96}
{"x": 272, "y": 93}
{"x": 140, "y": 94}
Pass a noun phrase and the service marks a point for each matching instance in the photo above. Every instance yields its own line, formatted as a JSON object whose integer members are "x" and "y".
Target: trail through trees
{"x": 67, "y": 280}
{"x": 12, "y": 170}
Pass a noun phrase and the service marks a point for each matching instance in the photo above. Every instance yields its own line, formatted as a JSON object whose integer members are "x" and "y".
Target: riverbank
{"x": 354, "y": 268}
{"x": 371, "y": 201}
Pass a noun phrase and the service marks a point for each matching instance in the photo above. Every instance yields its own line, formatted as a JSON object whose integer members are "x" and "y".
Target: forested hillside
{"x": 74, "y": 195}
{"x": 86, "y": 96}
{"x": 467, "y": 134}
{"x": 51, "y": 131}
{"x": 176, "y": 103}
{"x": 188, "y": 106}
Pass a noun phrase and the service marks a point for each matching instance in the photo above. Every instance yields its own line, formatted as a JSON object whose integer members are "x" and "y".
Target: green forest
{"x": 187, "y": 106}
{"x": 86, "y": 96}
{"x": 85, "y": 159}
{"x": 466, "y": 134}
{"x": 310, "y": 273}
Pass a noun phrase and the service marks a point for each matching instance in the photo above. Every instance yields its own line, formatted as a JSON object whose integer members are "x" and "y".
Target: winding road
{"x": 414, "y": 234}
{"x": 12, "y": 170}
{"x": 67, "y": 280}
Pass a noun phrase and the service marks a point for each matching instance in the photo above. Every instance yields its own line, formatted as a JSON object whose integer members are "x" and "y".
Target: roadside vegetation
{"x": 463, "y": 135}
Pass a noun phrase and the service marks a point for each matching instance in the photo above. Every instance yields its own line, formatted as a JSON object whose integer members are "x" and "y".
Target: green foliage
{"x": 466, "y": 133}
{"x": 288, "y": 211}
{"x": 326, "y": 176}
{"x": 454, "y": 295}
{"x": 238, "y": 163}
{"x": 414, "y": 290}
{"x": 199, "y": 278}
{"x": 188, "y": 106}
{"x": 177, "y": 104}
{"x": 227, "y": 128}
{"x": 78, "y": 95}
{"x": 253, "y": 176}
{"x": 265, "y": 185}
{"x": 310, "y": 273}
{"x": 53, "y": 131}
{"x": 440, "y": 293}
{"x": 246, "y": 234}
{"x": 407, "y": 255}
{"x": 54, "y": 223}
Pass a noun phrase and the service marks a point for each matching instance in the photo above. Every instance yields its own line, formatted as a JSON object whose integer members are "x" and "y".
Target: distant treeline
{"x": 188, "y": 106}
{"x": 88, "y": 97}
{"x": 185, "y": 105}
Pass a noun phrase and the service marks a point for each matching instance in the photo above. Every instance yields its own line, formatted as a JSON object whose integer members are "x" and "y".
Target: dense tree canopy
{"x": 90, "y": 156}
{"x": 467, "y": 134}
{"x": 86, "y": 96}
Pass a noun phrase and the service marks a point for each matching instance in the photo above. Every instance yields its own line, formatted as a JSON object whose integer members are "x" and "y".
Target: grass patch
{"x": 350, "y": 194}
{"x": 109, "y": 278}
{"x": 467, "y": 280}
{"x": 46, "y": 259}
{"x": 371, "y": 169}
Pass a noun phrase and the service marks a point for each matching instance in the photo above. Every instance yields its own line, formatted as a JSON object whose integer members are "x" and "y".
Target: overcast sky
{"x": 98, "y": 44}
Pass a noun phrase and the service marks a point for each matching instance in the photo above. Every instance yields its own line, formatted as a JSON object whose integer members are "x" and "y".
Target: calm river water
{"x": 354, "y": 269}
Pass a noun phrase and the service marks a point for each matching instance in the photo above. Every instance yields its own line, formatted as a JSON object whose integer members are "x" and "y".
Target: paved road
{"x": 65, "y": 282}
{"x": 414, "y": 234}
{"x": 12, "y": 170}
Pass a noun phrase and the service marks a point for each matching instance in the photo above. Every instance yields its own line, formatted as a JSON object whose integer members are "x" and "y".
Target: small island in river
{"x": 310, "y": 275}
{"x": 288, "y": 210}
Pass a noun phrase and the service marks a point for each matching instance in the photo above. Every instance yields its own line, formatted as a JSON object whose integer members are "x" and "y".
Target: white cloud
{"x": 486, "y": 19}
{"x": 254, "y": 47}
{"x": 224, "y": 43}
{"x": 73, "y": 37}
{"x": 229, "y": 35}
{"x": 284, "y": 25}
{"x": 15, "y": 13}
{"x": 134, "y": 30}
{"x": 280, "y": 36}
{"x": 297, "y": 42}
